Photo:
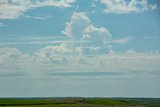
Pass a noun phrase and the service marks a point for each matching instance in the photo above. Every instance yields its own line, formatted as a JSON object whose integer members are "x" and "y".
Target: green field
{"x": 79, "y": 102}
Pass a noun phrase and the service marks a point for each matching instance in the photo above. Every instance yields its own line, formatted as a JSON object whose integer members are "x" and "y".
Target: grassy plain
{"x": 79, "y": 102}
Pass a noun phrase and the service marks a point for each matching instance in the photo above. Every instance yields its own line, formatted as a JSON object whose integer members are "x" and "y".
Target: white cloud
{"x": 11, "y": 9}
{"x": 54, "y": 50}
{"x": 124, "y": 40}
{"x": 124, "y": 6}
{"x": 131, "y": 52}
{"x": 96, "y": 34}
{"x": 99, "y": 37}
{"x": 112, "y": 52}
{"x": 38, "y": 17}
{"x": 57, "y": 3}
{"x": 74, "y": 57}
{"x": 59, "y": 59}
{"x": 76, "y": 25}
{"x": 80, "y": 28}
{"x": 7, "y": 53}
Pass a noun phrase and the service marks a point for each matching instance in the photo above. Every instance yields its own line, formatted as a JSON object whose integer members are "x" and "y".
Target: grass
{"x": 79, "y": 102}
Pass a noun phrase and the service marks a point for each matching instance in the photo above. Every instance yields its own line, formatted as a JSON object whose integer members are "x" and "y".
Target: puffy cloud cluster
{"x": 99, "y": 37}
{"x": 86, "y": 53}
{"x": 54, "y": 50}
{"x": 11, "y": 9}
{"x": 125, "y": 6}
{"x": 57, "y": 59}
{"x": 8, "y": 53}
{"x": 77, "y": 24}
{"x": 93, "y": 40}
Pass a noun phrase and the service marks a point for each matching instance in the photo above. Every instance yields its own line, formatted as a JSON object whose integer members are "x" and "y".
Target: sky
{"x": 79, "y": 48}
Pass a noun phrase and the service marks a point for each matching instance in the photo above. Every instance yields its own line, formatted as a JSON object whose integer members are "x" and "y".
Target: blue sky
{"x": 111, "y": 42}
{"x": 47, "y": 21}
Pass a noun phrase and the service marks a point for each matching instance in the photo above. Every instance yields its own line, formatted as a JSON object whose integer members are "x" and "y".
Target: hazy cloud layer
{"x": 59, "y": 59}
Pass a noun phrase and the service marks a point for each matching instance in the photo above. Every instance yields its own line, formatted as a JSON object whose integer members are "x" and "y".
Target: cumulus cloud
{"x": 80, "y": 28}
{"x": 8, "y": 53}
{"x": 124, "y": 6}
{"x": 79, "y": 56}
{"x": 11, "y": 9}
{"x": 54, "y": 50}
{"x": 99, "y": 37}
{"x": 59, "y": 59}
{"x": 77, "y": 24}
{"x": 131, "y": 52}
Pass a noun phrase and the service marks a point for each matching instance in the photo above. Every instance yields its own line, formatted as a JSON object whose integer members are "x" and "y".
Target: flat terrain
{"x": 79, "y": 102}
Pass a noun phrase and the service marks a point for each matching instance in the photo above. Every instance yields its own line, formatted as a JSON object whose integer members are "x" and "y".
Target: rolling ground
{"x": 79, "y": 102}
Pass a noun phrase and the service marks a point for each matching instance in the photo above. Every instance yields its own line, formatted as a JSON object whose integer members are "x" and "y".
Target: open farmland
{"x": 79, "y": 102}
